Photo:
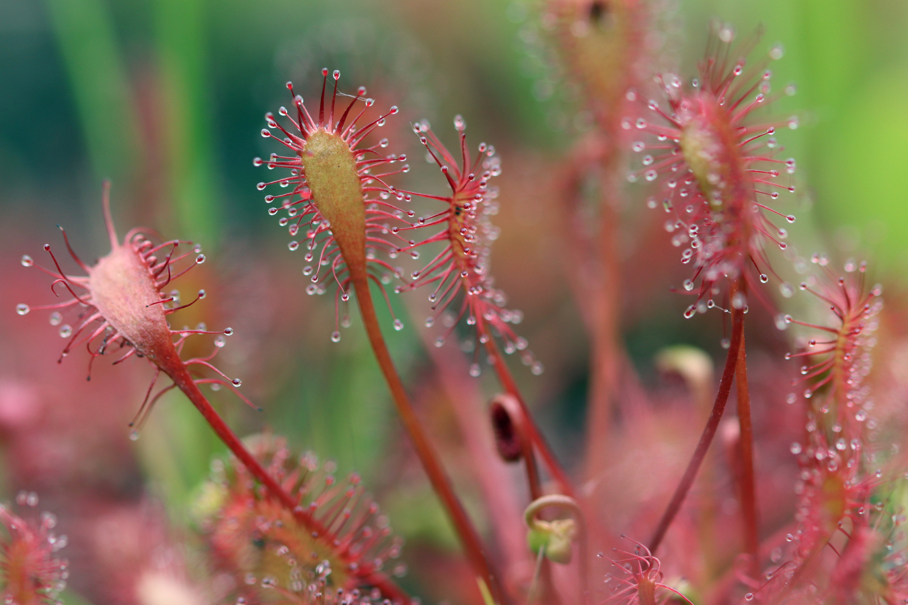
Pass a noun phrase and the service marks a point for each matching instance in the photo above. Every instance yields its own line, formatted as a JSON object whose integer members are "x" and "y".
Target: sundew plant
{"x": 282, "y": 329}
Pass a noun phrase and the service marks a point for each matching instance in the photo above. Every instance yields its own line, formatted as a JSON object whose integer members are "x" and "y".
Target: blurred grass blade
{"x": 180, "y": 27}
{"x": 86, "y": 36}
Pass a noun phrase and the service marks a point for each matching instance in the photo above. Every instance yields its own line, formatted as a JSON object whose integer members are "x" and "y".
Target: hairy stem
{"x": 538, "y": 440}
{"x": 712, "y": 424}
{"x": 746, "y": 452}
{"x": 428, "y": 457}
{"x": 180, "y": 376}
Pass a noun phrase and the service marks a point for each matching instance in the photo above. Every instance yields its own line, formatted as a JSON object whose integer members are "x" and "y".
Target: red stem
{"x": 182, "y": 379}
{"x": 712, "y": 424}
{"x": 510, "y": 387}
{"x": 605, "y": 351}
{"x": 437, "y": 476}
{"x": 746, "y": 452}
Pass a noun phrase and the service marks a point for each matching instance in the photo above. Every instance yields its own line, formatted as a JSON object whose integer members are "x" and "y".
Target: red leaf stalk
{"x": 706, "y": 438}
{"x": 342, "y": 202}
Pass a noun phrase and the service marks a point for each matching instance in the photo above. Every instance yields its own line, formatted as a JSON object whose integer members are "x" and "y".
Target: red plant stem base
{"x": 712, "y": 424}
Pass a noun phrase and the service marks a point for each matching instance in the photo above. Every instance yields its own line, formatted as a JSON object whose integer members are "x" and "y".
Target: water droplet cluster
{"x": 30, "y": 549}
{"x": 104, "y": 321}
{"x": 459, "y": 274}
{"x": 305, "y": 222}
{"x": 840, "y": 486}
{"x": 335, "y": 535}
{"x": 715, "y": 188}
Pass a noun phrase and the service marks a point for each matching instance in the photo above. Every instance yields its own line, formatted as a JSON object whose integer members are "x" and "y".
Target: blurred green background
{"x": 166, "y": 98}
{"x": 170, "y": 95}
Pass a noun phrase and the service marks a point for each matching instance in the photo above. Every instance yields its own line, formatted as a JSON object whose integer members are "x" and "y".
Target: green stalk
{"x": 180, "y": 27}
{"x": 100, "y": 85}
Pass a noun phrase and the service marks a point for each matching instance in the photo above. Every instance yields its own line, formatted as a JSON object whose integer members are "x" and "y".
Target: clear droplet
{"x": 237, "y": 382}
{"x": 65, "y": 331}
{"x": 475, "y": 370}
{"x": 398, "y": 325}
{"x": 335, "y": 336}
{"x": 27, "y": 261}
{"x": 22, "y": 309}
{"x": 55, "y": 319}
